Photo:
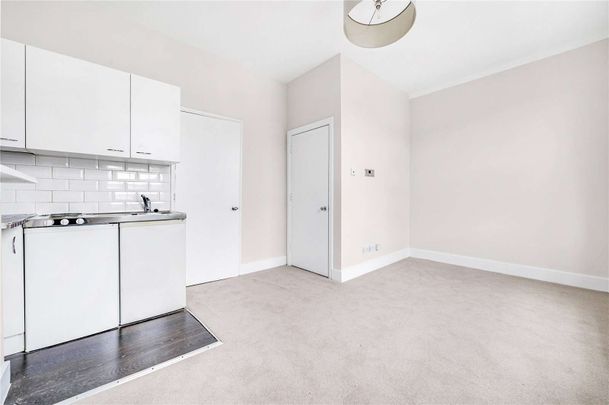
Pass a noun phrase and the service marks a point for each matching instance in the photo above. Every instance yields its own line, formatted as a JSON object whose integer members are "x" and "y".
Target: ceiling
{"x": 451, "y": 41}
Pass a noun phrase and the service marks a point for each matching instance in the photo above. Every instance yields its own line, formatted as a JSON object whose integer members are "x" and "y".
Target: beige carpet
{"x": 413, "y": 332}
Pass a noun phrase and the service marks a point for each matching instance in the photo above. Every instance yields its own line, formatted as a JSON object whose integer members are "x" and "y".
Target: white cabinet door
{"x": 155, "y": 120}
{"x": 208, "y": 188}
{"x": 75, "y": 106}
{"x": 12, "y": 290}
{"x": 153, "y": 280}
{"x": 71, "y": 283}
{"x": 13, "y": 95}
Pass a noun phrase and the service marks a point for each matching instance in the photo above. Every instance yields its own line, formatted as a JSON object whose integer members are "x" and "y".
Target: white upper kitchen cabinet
{"x": 13, "y": 95}
{"x": 74, "y": 106}
{"x": 155, "y": 120}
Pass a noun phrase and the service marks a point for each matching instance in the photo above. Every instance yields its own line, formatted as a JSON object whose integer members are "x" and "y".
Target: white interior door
{"x": 309, "y": 200}
{"x": 208, "y": 189}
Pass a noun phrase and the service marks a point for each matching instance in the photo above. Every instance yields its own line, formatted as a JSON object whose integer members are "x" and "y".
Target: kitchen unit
{"x": 75, "y": 106}
{"x": 72, "y": 107}
{"x": 80, "y": 280}
{"x": 71, "y": 283}
{"x": 153, "y": 263}
{"x": 12, "y": 285}
{"x": 13, "y": 95}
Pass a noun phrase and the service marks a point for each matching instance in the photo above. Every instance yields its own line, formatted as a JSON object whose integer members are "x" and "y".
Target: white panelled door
{"x": 208, "y": 189}
{"x": 309, "y": 200}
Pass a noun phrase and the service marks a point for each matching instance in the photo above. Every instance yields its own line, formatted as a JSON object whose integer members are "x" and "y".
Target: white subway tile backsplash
{"x": 137, "y": 167}
{"x": 83, "y": 163}
{"x": 7, "y": 196}
{"x": 124, "y": 175}
{"x": 35, "y": 171}
{"x": 98, "y": 196}
{"x": 32, "y": 196}
{"x": 91, "y": 174}
{"x": 159, "y": 187}
{"x": 83, "y": 185}
{"x": 17, "y": 186}
{"x": 111, "y": 207}
{"x": 16, "y": 158}
{"x": 54, "y": 161}
{"x": 68, "y": 196}
{"x": 161, "y": 205}
{"x": 152, "y": 196}
{"x": 51, "y": 208}
{"x": 125, "y": 196}
{"x": 109, "y": 165}
{"x": 67, "y": 173}
{"x": 86, "y": 207}
{"x": 52, "y": 184}
{"x": 159, "y": 169}
{"x": 137, "y": 186}
{"x": 132, "y": 206}
{"x": 17, "y": 208}
{"x": 112, "y": 186}
{"x": 148, "y": 176}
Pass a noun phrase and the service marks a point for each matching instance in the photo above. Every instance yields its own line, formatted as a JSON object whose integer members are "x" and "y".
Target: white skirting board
{"x": 260, "y": 265}
{"x": 5, "y": 381}
{"x": 519, "y": 270}
{"x": 351, "y": 272}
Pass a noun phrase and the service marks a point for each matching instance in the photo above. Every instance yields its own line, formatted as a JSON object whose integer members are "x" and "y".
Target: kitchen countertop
{"x": 14, "y": 220}
{"x": 69, "y": 219}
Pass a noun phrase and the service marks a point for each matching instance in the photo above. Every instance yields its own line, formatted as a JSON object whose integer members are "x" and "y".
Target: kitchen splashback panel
{"x": 82, "y": 185}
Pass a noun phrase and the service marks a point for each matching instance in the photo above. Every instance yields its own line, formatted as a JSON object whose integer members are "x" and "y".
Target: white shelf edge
{"x": 8, "y": 175}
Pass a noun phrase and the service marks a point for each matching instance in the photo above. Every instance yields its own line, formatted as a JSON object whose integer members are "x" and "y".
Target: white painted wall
{"x": 313, "y": 97}
{"x": 208, "y": 83}
{"x": 372, "y": 131}
{"x": 513, "y": 167}
{"x": 375, "y": 135}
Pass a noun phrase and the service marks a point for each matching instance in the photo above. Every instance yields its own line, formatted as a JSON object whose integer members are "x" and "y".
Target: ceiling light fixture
{"x": 377, "y": 23}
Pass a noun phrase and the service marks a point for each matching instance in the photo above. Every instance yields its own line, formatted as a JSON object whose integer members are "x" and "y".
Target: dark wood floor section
{"x": 51, "y": 375}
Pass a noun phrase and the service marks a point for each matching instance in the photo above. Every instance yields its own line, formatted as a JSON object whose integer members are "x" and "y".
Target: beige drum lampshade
{"x": 377, "y": 23}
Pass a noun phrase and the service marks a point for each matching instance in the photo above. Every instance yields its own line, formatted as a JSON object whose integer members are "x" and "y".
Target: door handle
{"x": 234, "y": 208}
{"x": 144, "y": 153}
{"x": 324, "y": 208}
{"x": 14, "y": 249}
{"x": 114, "y": 150}
{"x": 9, "y": 139}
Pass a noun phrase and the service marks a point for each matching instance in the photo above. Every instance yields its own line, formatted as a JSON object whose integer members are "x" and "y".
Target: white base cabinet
{"x": 12, "y": 290}
{"x": 71, "y": 283}
{"x": 153, "y": 269}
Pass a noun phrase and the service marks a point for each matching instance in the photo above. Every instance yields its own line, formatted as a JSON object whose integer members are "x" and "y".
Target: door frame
{"x": 174, "y": 171}
{"x": 329, "y": 122}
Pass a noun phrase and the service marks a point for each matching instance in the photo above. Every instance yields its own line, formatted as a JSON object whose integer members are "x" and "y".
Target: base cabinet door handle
{"x": 9, "y": 139}
{"x": 14, "y": 249}
{"x": 234, "y": 208}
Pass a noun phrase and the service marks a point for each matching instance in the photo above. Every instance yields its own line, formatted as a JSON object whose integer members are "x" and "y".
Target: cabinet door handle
{"x": 115, "y": 150}
{"x": 9, "y": 139}
{"x": 234, "y": 208}
{"x": 14, "y": 249}
{"x": 144, "y": 153}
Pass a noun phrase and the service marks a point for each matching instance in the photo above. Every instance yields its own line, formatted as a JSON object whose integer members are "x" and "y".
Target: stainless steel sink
{"x": 77, "y": 219}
